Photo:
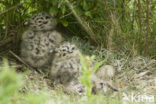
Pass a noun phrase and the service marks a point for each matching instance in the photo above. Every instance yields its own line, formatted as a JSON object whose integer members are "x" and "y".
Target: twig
{"x": 147, "y": 27}
{"x": 123, "y": 9}
{"x": 66, "y": 15}
{"x": 133, "y": 17}
{"x": 140, "y": 16}
{"x": 19, "y": 4}
{"x": 6, "y": 21}
{"x": 110, "y": 40}
{"x": 21, "y": 60}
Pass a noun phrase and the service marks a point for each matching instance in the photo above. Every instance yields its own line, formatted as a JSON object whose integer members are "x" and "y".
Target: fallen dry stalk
{"x": 22, "y": 61}
{"x": 81, "y": 22}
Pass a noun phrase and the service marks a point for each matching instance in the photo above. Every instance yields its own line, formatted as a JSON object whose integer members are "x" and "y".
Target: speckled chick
{"x": 39, "y": 39}
{"x": 66, "y": 65}
{"x": 66, "y": 69}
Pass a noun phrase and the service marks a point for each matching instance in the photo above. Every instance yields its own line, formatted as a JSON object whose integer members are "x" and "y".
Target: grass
{"x": 131, "y": 76}
{"x": 12, "y": 87}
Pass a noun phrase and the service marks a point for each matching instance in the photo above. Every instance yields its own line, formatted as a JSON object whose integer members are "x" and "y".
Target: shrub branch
{"x": 81, "y": 22}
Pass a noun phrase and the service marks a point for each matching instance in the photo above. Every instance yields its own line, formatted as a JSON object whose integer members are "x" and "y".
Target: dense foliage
{"x": 128, "y": 25}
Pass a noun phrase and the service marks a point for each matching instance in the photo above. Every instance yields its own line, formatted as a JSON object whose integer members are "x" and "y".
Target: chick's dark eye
{"x": 47, "y": 17}
{"x": 101, "y": 84}
{"x": 64, "y": 54}
{"x": 73, "y": 48}
{"x": 45, "y": 22}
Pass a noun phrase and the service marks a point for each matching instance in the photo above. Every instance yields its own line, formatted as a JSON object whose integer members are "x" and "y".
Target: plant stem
{"x": 147, "y": 27}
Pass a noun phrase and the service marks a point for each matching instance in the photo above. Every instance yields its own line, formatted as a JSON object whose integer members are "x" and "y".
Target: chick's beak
{"x": 27, "y": 23}
{"x": 53, "y": 51}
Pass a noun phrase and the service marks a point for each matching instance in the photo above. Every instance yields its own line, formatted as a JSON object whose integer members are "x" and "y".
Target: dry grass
{"x": 133, "y": 75}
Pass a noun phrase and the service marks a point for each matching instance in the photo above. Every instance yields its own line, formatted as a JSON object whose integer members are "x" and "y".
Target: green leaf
{"x": 65, "y": 23}
{"x": 54, "y": 2}
{"x": 98, "y": 64}
{"x": 53, "y": 10}
{"x": 88, "y": 13}
{"x": 63, "y": 10}
{"x": 83, "y": 62}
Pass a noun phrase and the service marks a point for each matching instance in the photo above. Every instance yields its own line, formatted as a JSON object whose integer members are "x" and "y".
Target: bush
{"x": 111, "y": 24}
